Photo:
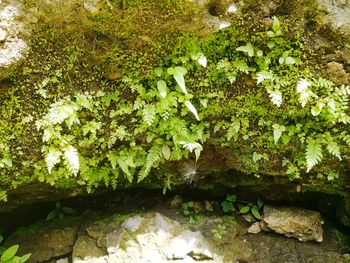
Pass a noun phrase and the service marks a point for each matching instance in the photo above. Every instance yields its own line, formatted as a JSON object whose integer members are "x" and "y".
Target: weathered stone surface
{"x": 113, "y": 240}
{"x": 305, "y": 225}
{"x": 254, "y": 228}
{"x": 132, "y": 224}
{"x": 46, "y": 240}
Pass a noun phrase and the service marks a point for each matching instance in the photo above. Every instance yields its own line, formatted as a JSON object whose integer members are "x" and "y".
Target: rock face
{"x": 159, "y": 238}
{"x": 46, "y": 240}
{"x": 151, "y": 237}
{"x": 305, "y": 225}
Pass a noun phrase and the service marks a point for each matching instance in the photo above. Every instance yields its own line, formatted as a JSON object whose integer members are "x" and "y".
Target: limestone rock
{"x": 132, "y": 224}
{"x": 303, "y": 224}
{"x": 45, "y": 240}
{"x": 254, "y": 228}
{"x": 189, "y": 242}
{"x": 113, "y": 239}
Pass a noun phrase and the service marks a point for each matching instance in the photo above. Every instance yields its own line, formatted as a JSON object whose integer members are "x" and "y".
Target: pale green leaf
{"x": 166, "y": 152}
{"x": 277, "y": 131}
{"x": 192, "y": 109}
{"x": 179, "y": 73}
{"x": 162, "y": 87}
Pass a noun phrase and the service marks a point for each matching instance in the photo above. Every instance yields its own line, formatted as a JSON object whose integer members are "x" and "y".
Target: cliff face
{"x": 113, "y": 93}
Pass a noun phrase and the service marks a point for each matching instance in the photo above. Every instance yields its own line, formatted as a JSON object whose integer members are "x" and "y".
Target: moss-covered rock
{"x": 114, "y": 92}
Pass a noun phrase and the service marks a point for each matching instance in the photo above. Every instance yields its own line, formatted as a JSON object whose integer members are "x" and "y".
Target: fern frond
{"x": 276, "y": 96}
{"x": 52, "y": 158}
{"x": 233, "y": 130}
{"x": 153, "y": 157}
{"x": 313, "y": 154}
{"x": 333, "y": 148}
{"x": 149, "y": 114}
{"x": 71, "y": 159}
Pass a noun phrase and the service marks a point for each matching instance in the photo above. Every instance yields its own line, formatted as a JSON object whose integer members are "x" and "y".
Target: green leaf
{"x": 24, "y": 258}
{"x": 9, "y": 253}
{"x": 285, "y": 138}
{"x": 276, "y": 26}
{"x": 179, "y": 73}
{"x": 58, "y": 205}
{"x": 158, "y": 71}
{"x": 166, "y": 151}
{"x": 192, "y": 109}
{"x": 245, "y": 209}
{"x": 7, "y": 161}
{"x": 170, "y": 71}
{"x": 277, "y": 131}
{"x": 270, "y": 34}
{"x": 125, "y": 169}
{"x": 197, "y": 153}
{"x": 67, "y": 210}
{"x": 227, "y": 207}
{"x": 249, "y": 49}
{"x": 51, "y": 215}
{"x": 112, "y": 157}
{"x": 255, "y": 212}
{"x": 290, "y": 61}
{"x": 231, "y": 198}
{"x": 1, "y": 238}
{"x": 281, "y": 60}
{"x": 162, "y": 87}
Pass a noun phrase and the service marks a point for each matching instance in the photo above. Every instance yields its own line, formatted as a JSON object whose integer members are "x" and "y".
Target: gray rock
{"x": 303, "y": 224}
{"x": 63, "y": 260}
{"x": 133, "y": 223}
{"x": 189, "y": 243}
{"x": 254, "y": 228}
{"x": 113, "y": 240}
{"x": 45, "y": 240}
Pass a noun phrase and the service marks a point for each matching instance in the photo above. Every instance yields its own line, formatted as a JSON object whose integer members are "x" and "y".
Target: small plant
{"x": 228, "y": 204}
{"x": 59, "y": 212}
{"x": 253, "y": 208}
{"x": 219, "y": 232}
{"x": 9, "y": 255}
{"x": 189, "y": 211}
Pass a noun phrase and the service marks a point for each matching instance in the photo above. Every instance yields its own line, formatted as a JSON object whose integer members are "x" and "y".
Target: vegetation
{"x": 9, "y": 255}
{"x": 279, "y": 116}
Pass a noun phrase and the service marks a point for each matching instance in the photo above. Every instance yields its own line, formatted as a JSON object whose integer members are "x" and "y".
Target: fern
{"x": 233, "y": 130}
{"x": 153, "y": 157}
{"x": 149, "y": 114}
{"x": 52, "y": 158}
{"x": 313, "y": 153}
{"x": 276, "y": 96}
{"x": 71, "y": 159}
{"x": 333, "y": 148}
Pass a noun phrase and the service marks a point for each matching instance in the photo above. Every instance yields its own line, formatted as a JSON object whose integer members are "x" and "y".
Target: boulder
{"x": 303, "y": 224}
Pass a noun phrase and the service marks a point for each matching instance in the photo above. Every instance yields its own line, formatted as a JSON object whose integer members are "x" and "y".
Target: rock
{"x": 208, "y": 206}
{"x": 263, "y": 226}
{"x": 46, "y": 240}
{"x": 303, "y": 224}
{"x": 176, "y": 202}
{"x": 254, "y": 228}
{"x": 249, "y": 218}
{"x": 85, "y": 248}
{"x": 63, "y": 260}
{"x": 189, "y": 242}
{"x": 133, "y": 223}
{"x": 198, "y": 207}
{"x": 113, "y": 239}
